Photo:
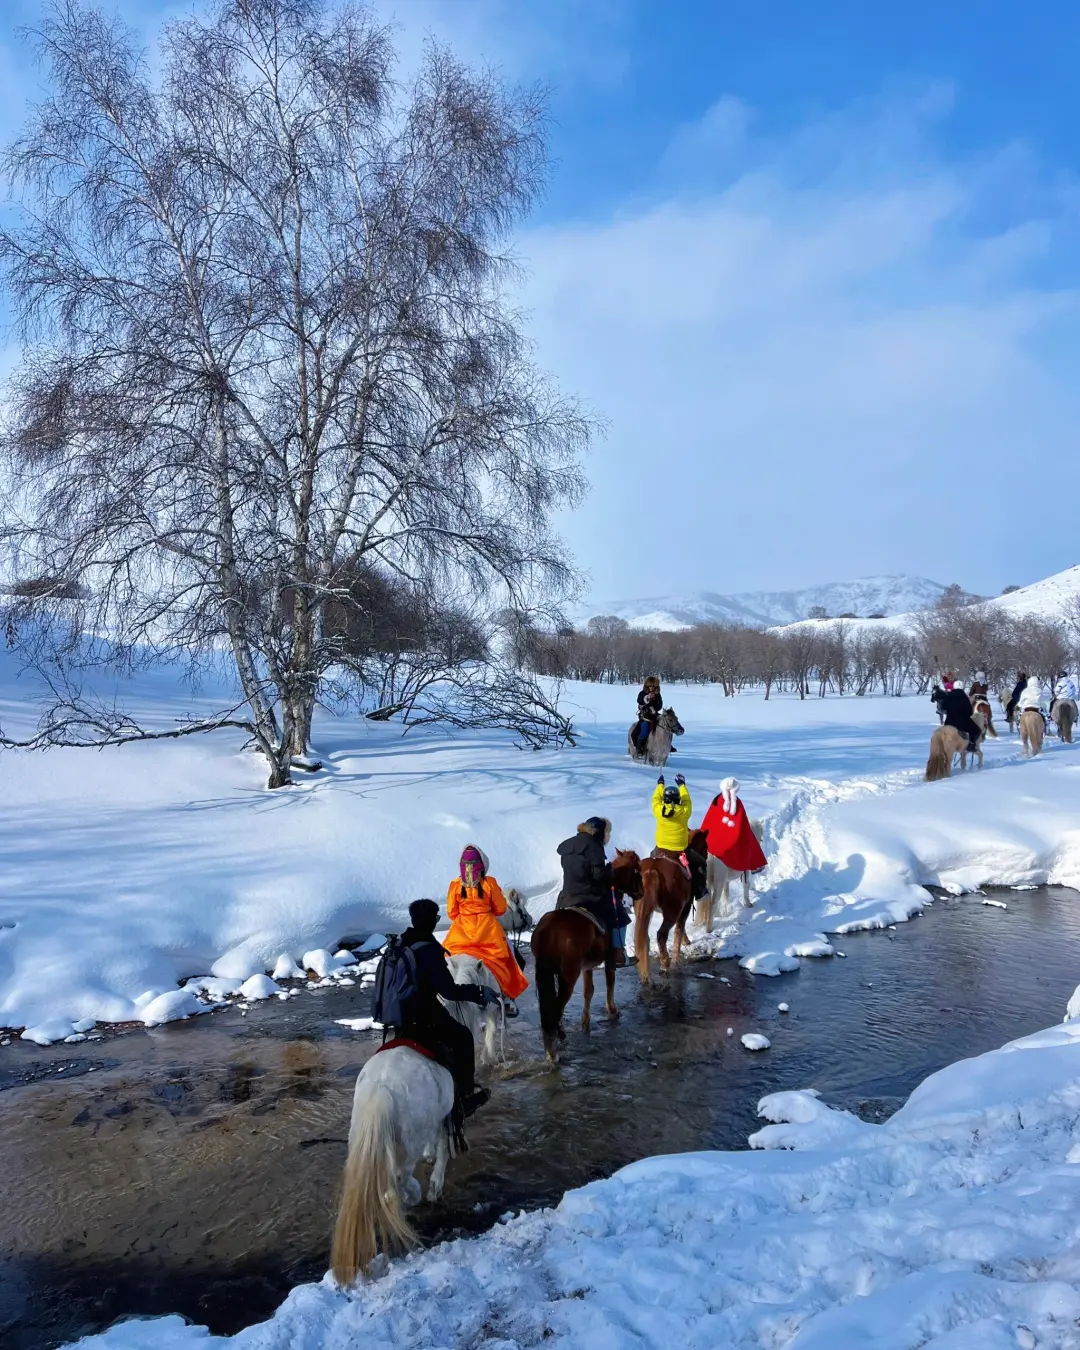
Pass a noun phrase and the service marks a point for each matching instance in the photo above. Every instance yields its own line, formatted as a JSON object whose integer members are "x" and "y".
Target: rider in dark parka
{"x": 956, "y": 706}
{"x": 587, "y": 876}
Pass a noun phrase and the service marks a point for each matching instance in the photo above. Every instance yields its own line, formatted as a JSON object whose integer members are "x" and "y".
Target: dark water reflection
{"x": 193, "y": 1168}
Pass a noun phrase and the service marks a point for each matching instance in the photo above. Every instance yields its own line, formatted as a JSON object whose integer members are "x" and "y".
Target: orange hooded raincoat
{"x": 474, "y": 928}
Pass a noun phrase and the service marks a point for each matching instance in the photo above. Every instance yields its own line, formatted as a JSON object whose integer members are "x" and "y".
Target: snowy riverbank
{"x": 955, "y": 1225}
{"x": 126, "y": 871}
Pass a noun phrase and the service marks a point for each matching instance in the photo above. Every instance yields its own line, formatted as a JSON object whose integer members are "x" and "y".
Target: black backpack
{"x": 396, "y": 985}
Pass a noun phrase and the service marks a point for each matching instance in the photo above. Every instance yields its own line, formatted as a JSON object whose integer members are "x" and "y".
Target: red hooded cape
{"x": 731, "y": 839}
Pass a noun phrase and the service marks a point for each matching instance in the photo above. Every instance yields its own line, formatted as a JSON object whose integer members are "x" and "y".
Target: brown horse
{"x": 1063, "y": 715}
{"x": 566, "y": 942}
{"x": 980, "y": 703}
{"x": 667, "y": 889}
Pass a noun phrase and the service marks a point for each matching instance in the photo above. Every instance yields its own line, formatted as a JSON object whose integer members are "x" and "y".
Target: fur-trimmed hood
{"x": 598, "y": 826}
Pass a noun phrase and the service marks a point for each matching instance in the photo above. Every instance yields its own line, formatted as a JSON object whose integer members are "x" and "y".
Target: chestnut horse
{"x": 668, "y": 889}
{"x": 566, "y": 942}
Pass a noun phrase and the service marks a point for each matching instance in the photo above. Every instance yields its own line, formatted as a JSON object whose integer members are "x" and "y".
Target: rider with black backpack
{"x": 412, "y": 977}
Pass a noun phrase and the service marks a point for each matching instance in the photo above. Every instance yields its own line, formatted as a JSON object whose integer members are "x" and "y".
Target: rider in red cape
{"x": 727, "y": 828}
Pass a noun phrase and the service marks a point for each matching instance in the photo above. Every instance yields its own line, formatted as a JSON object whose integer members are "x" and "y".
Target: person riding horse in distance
{"x": 650, "y": 704}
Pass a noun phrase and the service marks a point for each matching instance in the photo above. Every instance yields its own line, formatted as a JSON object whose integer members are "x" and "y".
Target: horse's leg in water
{"x": 661, "y": 942}
{"x": 707, "y": 907}
{"x": 438, "y": 1172}
{"x": 568, "y": 978}
{"x": 587, "y": 993}
{"x": 680, "y": 927}
{"x": 747, "y": 891}
{"x": 609, "y": 979}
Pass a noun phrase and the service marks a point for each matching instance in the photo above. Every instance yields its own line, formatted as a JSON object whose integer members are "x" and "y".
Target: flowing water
{"x": 193, "y": 1168}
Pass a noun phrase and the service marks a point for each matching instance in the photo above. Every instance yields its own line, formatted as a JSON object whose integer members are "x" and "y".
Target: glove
{"x": 660, "y": 780}
{"x": 490, "y": 996}
{"x": 680, "y": 780}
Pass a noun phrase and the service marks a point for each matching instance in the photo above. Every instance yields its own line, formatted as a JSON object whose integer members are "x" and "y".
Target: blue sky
{"x": 816, "y": 266}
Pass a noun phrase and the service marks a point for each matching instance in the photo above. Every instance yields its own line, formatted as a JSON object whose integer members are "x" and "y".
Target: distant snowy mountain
{"x": 1054, "y": 598}
{"x": 763, "y": 609}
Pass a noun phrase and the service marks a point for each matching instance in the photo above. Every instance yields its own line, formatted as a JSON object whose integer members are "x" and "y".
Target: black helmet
{"x": 671, "y": 795}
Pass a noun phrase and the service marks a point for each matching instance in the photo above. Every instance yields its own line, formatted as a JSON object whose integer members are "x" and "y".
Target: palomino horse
{"x": 668, "y": 889}
{"x": 1063, "y": 714}
{"x": 946, "y": 743}
{"x": 400, "y": 1106}
{"x": 1032, "y": 731}
{"x": 658, "y": 746}
{"x": 566, "y": 942}
{"x": 719, "y": 878}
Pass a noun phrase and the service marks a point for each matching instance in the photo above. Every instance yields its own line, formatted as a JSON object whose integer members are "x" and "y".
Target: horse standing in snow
{"x": 658, "y": 746}
{"x": 567, "y": 942}
{"x": 667, "y": 888}
{"x": 1032, "y": 731}
{"x": 945, "y": 744}
{"x": 400, "y": 1114}
{"x": 1063, "y": 715}
{"x": 719, "y": 878}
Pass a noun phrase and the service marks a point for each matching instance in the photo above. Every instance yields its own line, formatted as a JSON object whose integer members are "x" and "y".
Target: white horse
{"x": 484, "y": 1021}
{"x": 719, "y": 878}
{"x": 658, "y": 746}
{"x": 400, "y": 1106}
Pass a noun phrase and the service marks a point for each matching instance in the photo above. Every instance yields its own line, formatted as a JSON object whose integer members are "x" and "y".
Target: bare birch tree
{"x": 262, "y": 287}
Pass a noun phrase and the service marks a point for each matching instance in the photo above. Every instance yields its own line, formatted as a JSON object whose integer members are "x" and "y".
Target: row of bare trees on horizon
{"x": 816, "y": 658}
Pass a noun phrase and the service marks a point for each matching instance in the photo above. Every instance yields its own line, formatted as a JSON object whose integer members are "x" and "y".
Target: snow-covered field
{"x": 955, "y": 1226}
{"x": 126, "y": 871}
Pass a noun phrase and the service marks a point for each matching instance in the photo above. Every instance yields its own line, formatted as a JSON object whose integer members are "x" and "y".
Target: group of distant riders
{"x": 476, "y": 903}
{"x": 956, "y": 708}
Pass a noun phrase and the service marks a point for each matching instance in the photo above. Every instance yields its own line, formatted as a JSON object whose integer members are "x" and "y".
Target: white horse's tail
{"x": 371, "y": 1213}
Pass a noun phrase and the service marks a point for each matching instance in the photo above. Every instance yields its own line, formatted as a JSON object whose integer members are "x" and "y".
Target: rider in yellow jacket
{"x": 672, "y": 808}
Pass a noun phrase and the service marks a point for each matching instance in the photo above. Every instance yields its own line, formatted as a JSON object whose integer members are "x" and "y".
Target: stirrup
{"x": 471, "y": 1103}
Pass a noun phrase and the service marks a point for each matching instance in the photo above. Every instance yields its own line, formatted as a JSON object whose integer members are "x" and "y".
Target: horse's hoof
{"x": 586, "y": 1025}
{"x": 614, "y": 1012}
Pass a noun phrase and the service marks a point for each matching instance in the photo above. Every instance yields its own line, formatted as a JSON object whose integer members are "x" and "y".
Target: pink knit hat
{"x": 473, "y": 866}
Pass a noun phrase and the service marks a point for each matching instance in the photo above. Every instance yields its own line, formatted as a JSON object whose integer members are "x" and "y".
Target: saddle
{"x": 577, "y": 909}
{"x": 407, "y": 1043}
{"x": 679, "y": 859}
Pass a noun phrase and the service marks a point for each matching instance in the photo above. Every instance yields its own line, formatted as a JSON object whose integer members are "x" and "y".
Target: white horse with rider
{"x": 400, "y": 1114}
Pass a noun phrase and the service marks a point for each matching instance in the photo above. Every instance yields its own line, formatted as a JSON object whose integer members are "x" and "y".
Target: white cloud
{"x": 827, "y": 366}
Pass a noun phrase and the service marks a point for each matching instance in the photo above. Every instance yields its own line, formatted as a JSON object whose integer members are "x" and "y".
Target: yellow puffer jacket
{"x": 671, "y": 831}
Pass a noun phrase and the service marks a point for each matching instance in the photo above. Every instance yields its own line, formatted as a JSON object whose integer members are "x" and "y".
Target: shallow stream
{"x": 193, "y": 1168}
